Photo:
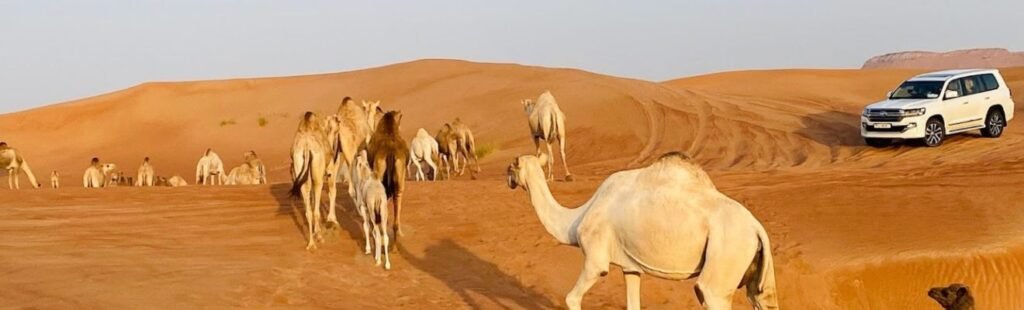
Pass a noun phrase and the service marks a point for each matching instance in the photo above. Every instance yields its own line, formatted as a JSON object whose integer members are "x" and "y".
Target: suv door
{"x": 955, "y": 109}
{"x": 976, "y": 101}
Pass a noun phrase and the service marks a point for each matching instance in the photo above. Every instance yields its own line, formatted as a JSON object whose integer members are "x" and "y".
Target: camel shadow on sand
{"x": 465, "y": 273}
{"x": 292, "y": 207}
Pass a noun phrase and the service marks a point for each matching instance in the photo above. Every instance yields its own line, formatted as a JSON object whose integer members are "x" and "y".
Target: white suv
{"x": 933, "y": 105}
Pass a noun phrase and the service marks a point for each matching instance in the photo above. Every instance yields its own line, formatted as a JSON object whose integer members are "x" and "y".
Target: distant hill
{"x": 970, "y": 58}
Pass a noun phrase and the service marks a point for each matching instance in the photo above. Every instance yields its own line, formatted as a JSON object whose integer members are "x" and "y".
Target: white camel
{"x": 310, "y": 153}
{"x": 55, "y": 179}
{"x": 93, "y": 176}
{"x": 372, "y": 202}
{"x": 547, "y": 122}
{"x": 145, "y": 175}
{"x": 210, "y": 169}
{"x": 12, "y": 161}
{"x": 423, "y": 148}
{"x": 667, "y": 220}
{"x": 257, "y": 165}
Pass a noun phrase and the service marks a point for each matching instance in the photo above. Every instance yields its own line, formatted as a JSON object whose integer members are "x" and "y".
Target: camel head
{"x": 248, "y": 156}
{"x": 528, "y": 105}
{"x": 108, "y": 168}
{"x": 522, "y": 166}
{"x": 310, "y": 122}
{"x": 956, "y": 296}
{"x": 391, "y": 122}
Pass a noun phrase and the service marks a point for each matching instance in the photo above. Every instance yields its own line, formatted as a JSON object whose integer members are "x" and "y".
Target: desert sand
{"x": 852, "y": 227}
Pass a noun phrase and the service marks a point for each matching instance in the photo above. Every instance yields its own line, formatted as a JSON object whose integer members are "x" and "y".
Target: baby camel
{"x": 423, "y": 148}
{"x": 372, "y": 201}
{"x": 55, "y": 179}
{"x": 667, "y": 220}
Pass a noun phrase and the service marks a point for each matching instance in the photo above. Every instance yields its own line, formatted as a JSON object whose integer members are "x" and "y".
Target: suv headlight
{"x": 865, "y": 113}
{"x": 913, "y": 112}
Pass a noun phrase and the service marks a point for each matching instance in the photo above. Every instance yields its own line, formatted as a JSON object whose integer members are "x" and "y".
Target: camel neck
{"x": 559, "y": 221}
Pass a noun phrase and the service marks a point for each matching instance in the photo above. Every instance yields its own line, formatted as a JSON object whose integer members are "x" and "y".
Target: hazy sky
{"x": 52, "y": 51}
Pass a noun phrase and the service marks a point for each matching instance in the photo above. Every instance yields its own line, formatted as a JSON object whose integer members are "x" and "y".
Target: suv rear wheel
{"x": 878, "y": 142}
{"x": 995, "y": 121}
{"x": 934, "y": 132}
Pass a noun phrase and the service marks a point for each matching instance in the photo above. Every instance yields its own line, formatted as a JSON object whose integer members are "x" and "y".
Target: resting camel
{"x": 94, "y": 176}
{"x": 12, "y": 161}
{"x": 310, "y": 154}
{"x": 210, "y": 169}
{"x": 446, "y": 149}
{"x": 244, "y": 174}
{"x": 667, "y": 220}
{"x": 423, "y": 148}
{"x": 372, "y": 202}
{"x": 144, "y": 177}
{"x": 954, "y": 297}
{"x": 55, "y": 179}
{"x": 388, "y": 157}
{"x": 257, "y": 164}
{"x": 176, "y": 181}
{"x": 547, "y": 122}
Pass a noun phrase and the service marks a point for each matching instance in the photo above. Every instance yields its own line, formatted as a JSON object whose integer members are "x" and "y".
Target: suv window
{"x": 954, "y": 85}
{"x": 971, "y": 85}
{"x": 990, "y": 82}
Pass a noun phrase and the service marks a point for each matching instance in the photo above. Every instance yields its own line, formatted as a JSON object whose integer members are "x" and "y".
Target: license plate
{"x": 883, "y": 126}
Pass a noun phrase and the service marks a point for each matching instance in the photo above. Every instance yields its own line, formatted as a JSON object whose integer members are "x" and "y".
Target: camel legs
{"x": 398, "y": 215}
{"x": 332, "y": 194}
{"x": 12, "y": 178}
{"x": 561, "y": 148}
{"x": 380, "y": 232}
{"x": 307, "y": 202}
{"x": 632, "y": 290}
{"x": 551, "y": 161}
{"x": 726, "y": 260}
{"x": 433, "y": 167}
{"x": 318, "y": 188}
{"x": 591, "y": 273}
{"x": 419, "y": 169}
{"x": 366, "y": 228}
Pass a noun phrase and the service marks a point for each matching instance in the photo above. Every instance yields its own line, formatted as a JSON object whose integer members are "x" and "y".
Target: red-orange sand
{"x": 852, "y": 227}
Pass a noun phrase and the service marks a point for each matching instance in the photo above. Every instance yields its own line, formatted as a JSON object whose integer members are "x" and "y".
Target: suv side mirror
{"x": 889, "y": 94}
{"x": 950, "y": 94}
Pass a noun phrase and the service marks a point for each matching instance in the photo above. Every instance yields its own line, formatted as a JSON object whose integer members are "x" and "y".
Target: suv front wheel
{"x": 994, "y": 124}
{"x": 934, "y": 132}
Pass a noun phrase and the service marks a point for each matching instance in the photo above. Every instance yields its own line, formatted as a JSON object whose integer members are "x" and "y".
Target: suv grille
{"x": 885, "y": 115}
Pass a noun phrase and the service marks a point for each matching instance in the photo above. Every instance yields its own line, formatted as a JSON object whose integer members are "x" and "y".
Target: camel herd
{"x": 667, "y": 219}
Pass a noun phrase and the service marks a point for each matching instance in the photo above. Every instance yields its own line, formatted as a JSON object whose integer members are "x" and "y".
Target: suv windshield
{"x": 918, "y": 90}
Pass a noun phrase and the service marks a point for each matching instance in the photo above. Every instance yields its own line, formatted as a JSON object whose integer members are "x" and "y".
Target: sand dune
{"x": 853, "y": 227}
{"x": 963, "y": 59}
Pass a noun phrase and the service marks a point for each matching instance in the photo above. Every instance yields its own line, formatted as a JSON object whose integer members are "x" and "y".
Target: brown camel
{"x": 446, "y": 150}
{"x": 389, "y": 155}
{"x": 953, "y": 297}
{"x": 465, "y": 147}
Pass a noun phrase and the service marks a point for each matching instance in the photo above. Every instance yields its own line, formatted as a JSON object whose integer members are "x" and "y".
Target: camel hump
{"x": 679, "y": 160}
{"x": 675, "y": 155}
